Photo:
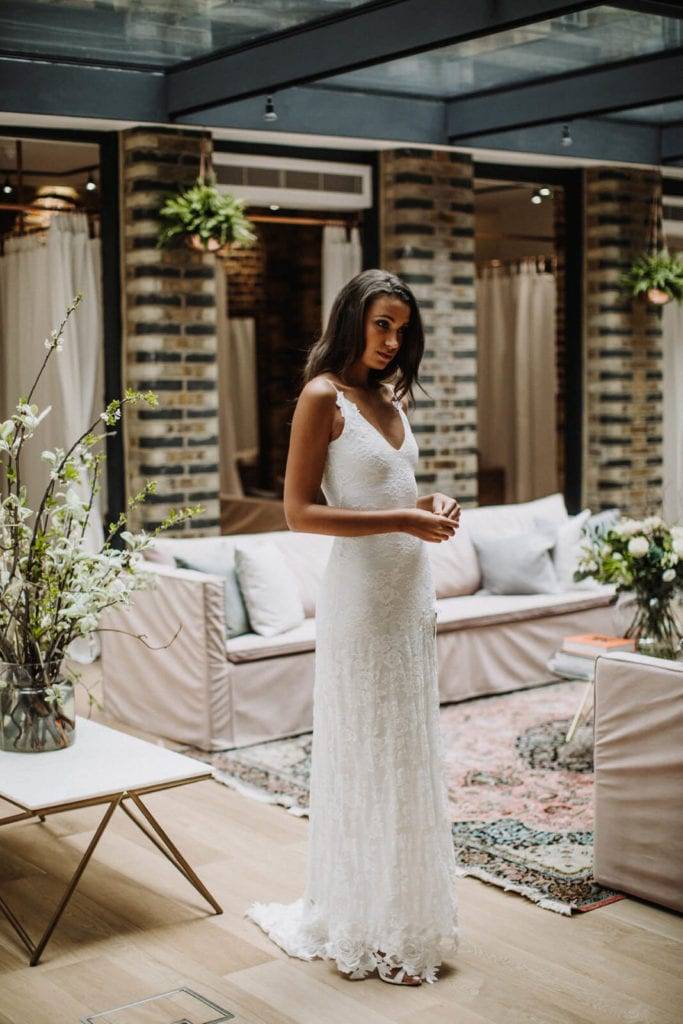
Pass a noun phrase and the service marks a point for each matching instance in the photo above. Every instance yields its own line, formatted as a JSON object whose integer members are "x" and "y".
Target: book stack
{"x": 576, "y": 657}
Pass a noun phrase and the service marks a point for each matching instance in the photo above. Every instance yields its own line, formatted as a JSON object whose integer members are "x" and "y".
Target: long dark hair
{"x": 343, "y": 340}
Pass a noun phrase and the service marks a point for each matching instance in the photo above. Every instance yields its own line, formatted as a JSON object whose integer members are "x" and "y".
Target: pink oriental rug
{"x": 521, "y": 799}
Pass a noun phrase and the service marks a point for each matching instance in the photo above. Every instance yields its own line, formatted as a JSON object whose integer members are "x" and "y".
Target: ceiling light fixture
{"x": 536, "y": 198}
{"x": 274, "y": 206}
{"x": 90, "y": 184}
{"x": 269, "y": 113}
{"x": 566, "y": 139}
{"x": 7, "y": 187}
{"x": 544, "y": 191}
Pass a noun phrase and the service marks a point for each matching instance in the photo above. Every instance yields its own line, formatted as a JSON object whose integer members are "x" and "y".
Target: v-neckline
{"x": 376, "y": 429}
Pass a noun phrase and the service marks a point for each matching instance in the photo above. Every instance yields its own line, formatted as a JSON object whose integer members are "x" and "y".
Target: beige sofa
{"x": 216, "y": 694}
{"x": 638, "y": 743}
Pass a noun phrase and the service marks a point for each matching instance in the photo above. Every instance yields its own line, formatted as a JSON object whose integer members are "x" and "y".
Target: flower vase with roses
{"x": 644, "y": 558}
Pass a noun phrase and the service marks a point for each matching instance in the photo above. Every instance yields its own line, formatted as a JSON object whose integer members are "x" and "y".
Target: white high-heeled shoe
{"x": 385, "y": 969}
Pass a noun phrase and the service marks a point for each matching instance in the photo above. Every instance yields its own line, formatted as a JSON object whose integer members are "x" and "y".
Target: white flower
{"x": 652, "y": 522}
{"x": 638, "y": 546}
{"x": 669, "y": 575}
{"x": 627, "y": 527}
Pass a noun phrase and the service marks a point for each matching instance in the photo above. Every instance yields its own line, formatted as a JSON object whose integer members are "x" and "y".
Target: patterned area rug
{"x": 521, "y": 798}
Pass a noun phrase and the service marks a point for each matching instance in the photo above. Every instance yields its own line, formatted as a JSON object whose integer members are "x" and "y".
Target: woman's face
{"x": 386, "y": 320}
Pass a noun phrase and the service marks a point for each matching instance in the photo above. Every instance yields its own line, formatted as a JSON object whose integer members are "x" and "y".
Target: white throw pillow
{"x": 269, "y": 588}
{"x": 515, "y": 517}
{"x": 517, "y": 563}
{"x": 567, "y": 550}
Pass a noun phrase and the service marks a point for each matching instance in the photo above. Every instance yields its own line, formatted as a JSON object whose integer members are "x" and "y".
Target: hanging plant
{"x": 655, "y": 272}
{"x": 204, "y": 218}
{"x": 659, "y": 274}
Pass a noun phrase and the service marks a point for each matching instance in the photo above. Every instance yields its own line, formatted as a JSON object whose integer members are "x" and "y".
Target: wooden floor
{"x": 135, "y": 928}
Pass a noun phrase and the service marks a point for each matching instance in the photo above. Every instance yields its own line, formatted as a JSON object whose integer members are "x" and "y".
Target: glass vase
{"x": 37, "y": 708}
{"x": 656, "y": 626}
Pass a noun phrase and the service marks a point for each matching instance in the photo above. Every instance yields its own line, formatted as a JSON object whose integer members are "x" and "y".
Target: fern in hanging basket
{"x": 658, "y": 273}
{"x": 205, "y": 219}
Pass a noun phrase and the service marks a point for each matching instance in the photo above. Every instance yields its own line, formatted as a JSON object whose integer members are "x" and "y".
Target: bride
{"x": 380, "y": 883}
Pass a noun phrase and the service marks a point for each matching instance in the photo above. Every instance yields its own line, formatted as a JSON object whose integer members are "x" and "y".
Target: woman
{"x": 381, "y": 866}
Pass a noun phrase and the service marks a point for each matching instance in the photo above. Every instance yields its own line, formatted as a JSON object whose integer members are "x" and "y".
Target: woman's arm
{"x": 310, "y": 435}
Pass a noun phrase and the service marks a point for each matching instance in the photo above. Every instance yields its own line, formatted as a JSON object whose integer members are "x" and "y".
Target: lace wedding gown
{"x": 381, "y": 865}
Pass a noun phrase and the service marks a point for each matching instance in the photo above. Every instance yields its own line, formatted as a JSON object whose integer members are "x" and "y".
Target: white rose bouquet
{"x": 51, "y": 589}
{"x": 644, "y": 557}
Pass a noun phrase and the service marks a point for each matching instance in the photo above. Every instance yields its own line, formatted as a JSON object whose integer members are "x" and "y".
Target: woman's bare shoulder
{"x": 318, "y": 392}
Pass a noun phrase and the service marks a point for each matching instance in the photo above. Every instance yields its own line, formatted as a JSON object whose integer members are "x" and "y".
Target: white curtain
{"x": 237, "y": 388}
{"x": 39, "y": 276}
{"x": 342, "y": 259}
{"x": 672, "y": 370}
{"x": 517, "y": 377}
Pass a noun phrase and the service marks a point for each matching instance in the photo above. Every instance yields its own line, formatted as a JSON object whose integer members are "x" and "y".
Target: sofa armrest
{"x": 163, "y": 687}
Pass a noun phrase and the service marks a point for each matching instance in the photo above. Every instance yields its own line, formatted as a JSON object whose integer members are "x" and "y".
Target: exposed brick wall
{"x": 246, "y": 273}
{"x": 169, "y": 314}
{"x": 427, "y": 238}
{"x": 623, "y": 349}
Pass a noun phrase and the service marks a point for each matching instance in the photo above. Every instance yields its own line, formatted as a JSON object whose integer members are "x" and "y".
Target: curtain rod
{"x": 515, "y": 262}
{"x": 272, "y": 219}
{"x": 42, "y": 209}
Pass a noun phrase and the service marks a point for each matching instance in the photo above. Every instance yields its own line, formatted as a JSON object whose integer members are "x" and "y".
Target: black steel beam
{"x": 654, "y": 79}
{"x": 42, "y": 87}
{"x": 363, "y": 36}
{"x": 594, "y": 139}
{"x": 322, "y": 111}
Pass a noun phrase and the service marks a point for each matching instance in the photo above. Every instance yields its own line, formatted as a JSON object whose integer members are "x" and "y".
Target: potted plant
{"x": 644, "y": 558}
{"x": 52, "y": 590}
{"x": 206, "y": 219}
{"x": 659, "y": 274}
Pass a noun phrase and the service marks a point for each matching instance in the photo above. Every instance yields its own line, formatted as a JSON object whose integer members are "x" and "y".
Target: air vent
{"x": 311, "y": 184}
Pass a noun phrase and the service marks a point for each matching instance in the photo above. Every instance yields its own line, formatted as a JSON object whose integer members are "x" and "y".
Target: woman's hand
{"x": 441, "y": 505}
{"x": 427, "y": 525}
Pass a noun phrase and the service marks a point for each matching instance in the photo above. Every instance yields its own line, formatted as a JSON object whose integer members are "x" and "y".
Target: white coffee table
{"x": 104, "y": 766}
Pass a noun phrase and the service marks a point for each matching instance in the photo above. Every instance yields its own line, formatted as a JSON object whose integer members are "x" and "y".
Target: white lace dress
{"x": 381, "y": 864}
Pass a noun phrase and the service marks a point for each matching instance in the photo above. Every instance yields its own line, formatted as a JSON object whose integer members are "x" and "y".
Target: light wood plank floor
{"x": 135, "y": 928}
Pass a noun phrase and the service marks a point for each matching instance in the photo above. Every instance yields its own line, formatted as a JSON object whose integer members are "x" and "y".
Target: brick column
{"x": 169, "y": 309}
{"x": 427, "y": 238}
{"x": 623, "y": 351}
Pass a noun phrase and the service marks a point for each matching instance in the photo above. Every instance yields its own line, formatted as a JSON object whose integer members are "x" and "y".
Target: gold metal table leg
{"x": 36, "y": 950}
{"x": 181, "y": 864}
{"x": 165, "y": 846}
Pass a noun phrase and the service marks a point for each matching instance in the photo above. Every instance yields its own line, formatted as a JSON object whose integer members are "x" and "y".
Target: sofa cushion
{"x": 223, "y": 564}
{"x": 452, "y": 613}
{"x": 489, "y": 609}
{"x": 518, "y": 563}
{"x": 269, "y": 588}
{"x": 569, "y": 537}
{"x": 306, "y": 554}
{"x": 252, "y": 647}
{"x": 455, "y": 567}
{"x": 514, "y": 518}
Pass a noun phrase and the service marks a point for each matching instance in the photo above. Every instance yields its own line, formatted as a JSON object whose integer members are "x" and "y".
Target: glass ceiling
{"x": 569, "y": 43}
{"x": 149, "y": 33}
{"x": 656, "y": 113}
